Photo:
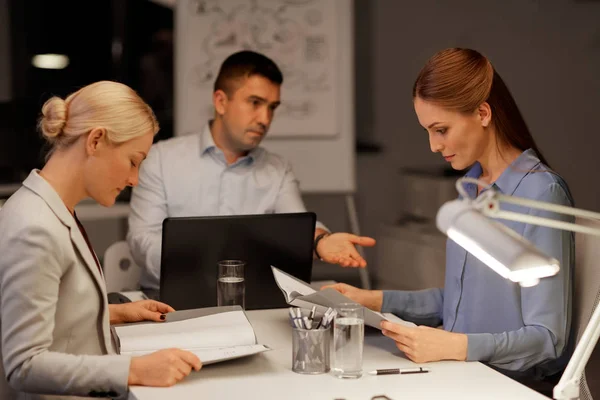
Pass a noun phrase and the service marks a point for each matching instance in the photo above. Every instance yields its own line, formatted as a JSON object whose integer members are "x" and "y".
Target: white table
{"x": 269, "y": 375}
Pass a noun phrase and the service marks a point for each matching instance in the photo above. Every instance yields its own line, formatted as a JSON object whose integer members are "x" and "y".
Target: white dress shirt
{"x": 189, "y": 176}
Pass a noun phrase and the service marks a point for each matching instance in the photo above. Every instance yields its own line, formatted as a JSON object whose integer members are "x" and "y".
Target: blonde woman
{"x": 54, "y": 315}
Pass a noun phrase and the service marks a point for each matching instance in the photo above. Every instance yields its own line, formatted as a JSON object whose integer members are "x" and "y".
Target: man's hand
{"x": 423, "y": 344}
{"x": 144, "y": 310}
{"x": 339, "y": 248}
{"x": 371, "y": 299}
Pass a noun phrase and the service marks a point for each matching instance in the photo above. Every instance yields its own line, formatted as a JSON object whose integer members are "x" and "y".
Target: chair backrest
{"x": 120, "y": 271}
{"x": 585, "y": 299}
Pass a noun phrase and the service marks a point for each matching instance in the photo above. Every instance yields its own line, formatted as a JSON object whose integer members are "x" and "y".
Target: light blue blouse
{"x": 510, "y": 327}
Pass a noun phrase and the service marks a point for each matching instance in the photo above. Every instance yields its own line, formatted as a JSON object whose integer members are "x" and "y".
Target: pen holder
{"x": 310, "y": 350}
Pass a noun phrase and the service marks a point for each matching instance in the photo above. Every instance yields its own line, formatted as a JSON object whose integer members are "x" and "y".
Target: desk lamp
{"x": 468, "y": 222}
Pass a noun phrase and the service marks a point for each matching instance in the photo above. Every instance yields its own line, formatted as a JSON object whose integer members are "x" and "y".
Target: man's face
{"x": 248, "y": 112}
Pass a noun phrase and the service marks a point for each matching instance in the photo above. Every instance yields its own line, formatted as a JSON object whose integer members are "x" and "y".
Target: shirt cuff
{"x": 480, "y": 346}
{"x": 321, "y": 225}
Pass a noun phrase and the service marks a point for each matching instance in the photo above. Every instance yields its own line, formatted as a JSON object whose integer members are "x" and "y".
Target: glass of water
{"x": 348, "y": 339}
{"x": 231, "y": 288}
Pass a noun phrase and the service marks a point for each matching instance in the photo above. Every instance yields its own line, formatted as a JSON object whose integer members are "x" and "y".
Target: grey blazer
{"x": 54, "y": 317}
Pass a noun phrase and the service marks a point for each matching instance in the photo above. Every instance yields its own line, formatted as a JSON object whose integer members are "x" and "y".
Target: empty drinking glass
{"x": 231, "y": 288}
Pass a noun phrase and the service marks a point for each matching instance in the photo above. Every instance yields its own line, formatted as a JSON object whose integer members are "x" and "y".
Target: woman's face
{"x": 461, "y": 138}
{"x": 110, "y": 168}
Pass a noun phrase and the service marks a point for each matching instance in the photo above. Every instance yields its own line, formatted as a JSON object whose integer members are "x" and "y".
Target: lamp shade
{"x": 502, "y": 249}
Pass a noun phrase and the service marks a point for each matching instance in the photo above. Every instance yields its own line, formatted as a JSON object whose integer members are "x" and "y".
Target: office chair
{"x": 121, "y": 273}
{"x": 585, "y": 300}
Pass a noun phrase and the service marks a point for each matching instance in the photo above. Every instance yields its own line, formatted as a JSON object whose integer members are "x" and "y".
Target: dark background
{"x": 122, "y": 40}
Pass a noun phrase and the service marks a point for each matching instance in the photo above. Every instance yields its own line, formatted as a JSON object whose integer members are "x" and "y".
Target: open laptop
{"x": 192, "y": 246}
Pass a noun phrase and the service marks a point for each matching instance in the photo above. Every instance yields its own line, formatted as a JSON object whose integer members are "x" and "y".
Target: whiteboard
{"x": 312, "y": 43}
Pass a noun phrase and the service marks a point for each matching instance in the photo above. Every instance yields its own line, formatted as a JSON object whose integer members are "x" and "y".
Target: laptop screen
{"x": 192, "y": 247}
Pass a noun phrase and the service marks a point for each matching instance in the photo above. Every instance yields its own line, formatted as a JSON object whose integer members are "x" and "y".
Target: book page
{"x": 290, "y": 286}
{"x": 397, "y": 320}
{"x": 332, "y": 298}
{"x": 210, "y": 355}
{"x": 307, "y": 297}
{"x": 218, "y": 330}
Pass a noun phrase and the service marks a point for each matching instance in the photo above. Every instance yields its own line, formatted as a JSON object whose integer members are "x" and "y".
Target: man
{"x": 223, "y": 171}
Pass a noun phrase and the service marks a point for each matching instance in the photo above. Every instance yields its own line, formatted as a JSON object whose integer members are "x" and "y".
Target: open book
{"x": 214, "y": 334}
{"x": 298, "y": 293}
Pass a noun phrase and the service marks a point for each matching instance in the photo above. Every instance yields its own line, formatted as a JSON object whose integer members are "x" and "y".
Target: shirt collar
{"x": 509, "y": 180}
{"x": 206, "y": 140}
{"x": 207, "y": 144}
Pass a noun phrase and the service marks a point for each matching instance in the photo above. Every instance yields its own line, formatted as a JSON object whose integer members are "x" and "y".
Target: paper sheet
{"x": 225, "y": 329}
{"x": 306, "y": 297}
{"x": 211, "y": 355}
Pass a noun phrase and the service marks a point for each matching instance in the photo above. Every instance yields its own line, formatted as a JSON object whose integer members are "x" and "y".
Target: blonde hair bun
{"x": 112, "y": 106}
{"x": 54, "y": 118}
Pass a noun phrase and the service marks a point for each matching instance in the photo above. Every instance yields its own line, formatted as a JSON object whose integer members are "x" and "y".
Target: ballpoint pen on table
{"x": 400, "y": 371}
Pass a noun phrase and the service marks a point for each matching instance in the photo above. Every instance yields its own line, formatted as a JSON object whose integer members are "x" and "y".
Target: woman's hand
{"x": 339, "y": 248}
{"x": 371, "y": 299}
{"x": 143, "y": 310}
{"x": 423, "y": 344}
{"x": 162, "y": 368}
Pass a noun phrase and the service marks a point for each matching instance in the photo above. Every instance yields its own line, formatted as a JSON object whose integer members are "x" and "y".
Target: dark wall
{"x": 548, "y": 53}
{"x": 104, "y": 40}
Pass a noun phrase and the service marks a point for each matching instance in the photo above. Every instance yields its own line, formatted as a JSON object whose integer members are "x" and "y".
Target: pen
{"x": 329, "y": 318}
{"x": 293, "y": 319}
{"x": 323, "y": 322}
{"x": 312, "y": 313}
{"x": 307, "y": 323}
{"x": 396, "y": 371}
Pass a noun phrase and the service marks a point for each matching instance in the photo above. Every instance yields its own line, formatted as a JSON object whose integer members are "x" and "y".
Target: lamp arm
{"x": 541, "y": 221}
{"x": 540, "y": 205}
{"x": 490, "y": 199}
{"x": 568, "y": 386}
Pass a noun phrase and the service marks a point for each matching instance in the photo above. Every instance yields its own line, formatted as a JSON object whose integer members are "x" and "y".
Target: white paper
{"x": 392, "y": 318}
{"x": 210, "y": 355}
{"x": 218, "y": 330}
{"x": 288, "y": 284}
{"x": 325, "y": 298}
